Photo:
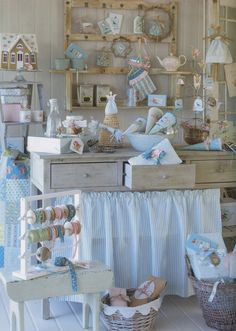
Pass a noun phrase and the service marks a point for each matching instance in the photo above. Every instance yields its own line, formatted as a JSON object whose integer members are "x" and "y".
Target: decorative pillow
{"x": 162, "y": 153}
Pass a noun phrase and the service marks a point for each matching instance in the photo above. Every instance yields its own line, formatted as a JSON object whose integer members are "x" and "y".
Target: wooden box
{"x": 148, "y": 177}
{"x": 85, "y": 95}
{"x": 101, "y": 91}
{"x": 49, "y": 145}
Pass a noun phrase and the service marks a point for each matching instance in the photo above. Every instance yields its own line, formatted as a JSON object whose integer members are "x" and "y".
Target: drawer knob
{"x": 86, "y": 175}
{"x": 164, "y": 176}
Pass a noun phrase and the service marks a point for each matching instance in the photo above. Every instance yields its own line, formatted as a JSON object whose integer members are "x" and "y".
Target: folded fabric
{"x": 162, "y": 153}
{"x": 148, "y": 291}
{"x": 118, "y": 297}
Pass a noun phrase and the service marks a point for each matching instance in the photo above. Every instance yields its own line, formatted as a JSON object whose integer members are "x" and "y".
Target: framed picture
{"x": 74, "y": 51}
{"x": 158, "y": 100}
{"x": 121, "y": 47}
{"x": 104, "y": 58}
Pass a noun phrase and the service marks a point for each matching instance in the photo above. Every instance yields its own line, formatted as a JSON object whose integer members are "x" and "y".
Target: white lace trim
{"x": 130, "y": 311}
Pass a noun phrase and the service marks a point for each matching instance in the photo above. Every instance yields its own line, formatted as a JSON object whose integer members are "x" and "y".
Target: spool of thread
{"x": 33, "y": 236}
{"x": 65, "y": 212}
{"x": 72, "y": 228}
{"x": 71, "y": 211}
{"x": 30, "y": 216}
{"x": 58, "y": 212}
{"x": 50, "y": 213}
{"x": 43, "y": 254}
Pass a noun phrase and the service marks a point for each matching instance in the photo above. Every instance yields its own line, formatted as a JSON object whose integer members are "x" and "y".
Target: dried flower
{"x": 195, "y": 52}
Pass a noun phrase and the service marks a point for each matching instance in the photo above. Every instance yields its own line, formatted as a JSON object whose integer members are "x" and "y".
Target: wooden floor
{"x": 176, "y": 314}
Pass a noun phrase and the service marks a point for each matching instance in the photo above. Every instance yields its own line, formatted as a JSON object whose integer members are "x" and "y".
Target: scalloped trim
{"x": 128, "y": 312}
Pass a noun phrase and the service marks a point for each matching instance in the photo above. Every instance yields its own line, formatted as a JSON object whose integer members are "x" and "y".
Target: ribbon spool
{"x": 72, "y": 228}
{"x": 43, "y": 254}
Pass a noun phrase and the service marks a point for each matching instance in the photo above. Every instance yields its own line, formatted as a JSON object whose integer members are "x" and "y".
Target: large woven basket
{"x": 138, "y": 322}
{"x": 221, "y": 312}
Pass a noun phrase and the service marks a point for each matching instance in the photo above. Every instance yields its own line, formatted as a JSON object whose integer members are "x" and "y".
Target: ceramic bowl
{"x": 142, "y": 142}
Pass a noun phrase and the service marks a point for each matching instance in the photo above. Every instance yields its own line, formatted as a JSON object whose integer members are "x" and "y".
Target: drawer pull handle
{"x": 86, "y": 175}
{"x": 164, "y": 177}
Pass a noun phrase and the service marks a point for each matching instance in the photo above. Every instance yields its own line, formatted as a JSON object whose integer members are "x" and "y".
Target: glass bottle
{"x": 54, "y": 119}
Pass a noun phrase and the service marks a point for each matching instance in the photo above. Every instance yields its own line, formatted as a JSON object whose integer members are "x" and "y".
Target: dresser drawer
{"x": 218, "y": 171}
{"x": 159, "y": 176}
{"x": 82, "y": 175}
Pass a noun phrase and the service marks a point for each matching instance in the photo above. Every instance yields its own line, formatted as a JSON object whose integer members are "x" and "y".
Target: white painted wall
{"x": 45, "y": 19}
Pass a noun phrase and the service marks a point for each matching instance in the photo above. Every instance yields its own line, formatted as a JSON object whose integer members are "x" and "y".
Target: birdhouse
{"x": 18, "y": 51}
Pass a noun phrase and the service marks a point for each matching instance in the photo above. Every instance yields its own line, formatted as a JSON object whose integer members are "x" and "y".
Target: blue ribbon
{"x": 61, "y": 261}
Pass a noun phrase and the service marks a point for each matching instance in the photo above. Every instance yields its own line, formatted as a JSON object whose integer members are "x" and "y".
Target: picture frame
{"x": 158, "y": 100}
{"x": 121, "y": 47}
{"x": 104, "y": 58}
{"x": 74, "y": 51}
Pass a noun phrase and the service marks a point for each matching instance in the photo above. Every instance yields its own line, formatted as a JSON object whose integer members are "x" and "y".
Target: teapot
{"x": 171, "y": 62}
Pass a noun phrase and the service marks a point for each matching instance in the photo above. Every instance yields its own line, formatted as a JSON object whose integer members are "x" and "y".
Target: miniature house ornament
{"x": 18, "y": 51}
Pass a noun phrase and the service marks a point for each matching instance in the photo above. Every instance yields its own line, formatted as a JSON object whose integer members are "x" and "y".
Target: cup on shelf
{"x": 37, "y": 116}
{"x": 77, "y": 63}
{"x": 62, "y": 64}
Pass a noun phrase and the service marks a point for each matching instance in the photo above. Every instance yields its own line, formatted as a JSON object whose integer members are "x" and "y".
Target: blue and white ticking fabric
{"x": 14, "y": 184}
{"x": 141, "y": 234}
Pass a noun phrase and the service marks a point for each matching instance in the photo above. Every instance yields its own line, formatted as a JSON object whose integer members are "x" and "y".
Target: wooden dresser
{"x": 111, "y": 172}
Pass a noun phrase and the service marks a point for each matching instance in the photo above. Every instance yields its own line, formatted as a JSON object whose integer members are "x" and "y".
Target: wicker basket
{"x": 194, "y": 135}
{"x": 138, "y": 322}
{"x": 105, "y": 137}
{"x": 221, "y": 312}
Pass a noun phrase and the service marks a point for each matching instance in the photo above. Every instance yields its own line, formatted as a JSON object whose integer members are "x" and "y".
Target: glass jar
{"x": 54, "y": 123}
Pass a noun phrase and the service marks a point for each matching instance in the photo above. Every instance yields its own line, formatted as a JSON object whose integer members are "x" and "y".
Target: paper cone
{"x": 215, "y": 144}
{"x": 204, "y": 146}
{"x": 207, "y": 145}
{"x": 154, "y": 114}
{"x": 137, "y": 126}
{"x": 165, "y": 122}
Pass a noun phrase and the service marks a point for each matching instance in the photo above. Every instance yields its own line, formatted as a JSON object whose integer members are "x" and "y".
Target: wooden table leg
{"x": 17, "y": 316}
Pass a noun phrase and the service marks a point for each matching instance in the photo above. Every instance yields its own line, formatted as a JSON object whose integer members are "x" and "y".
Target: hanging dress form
{"x": 218, "y": 52}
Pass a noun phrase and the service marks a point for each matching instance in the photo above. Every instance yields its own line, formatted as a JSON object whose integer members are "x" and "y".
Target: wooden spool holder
{"x": 24, "y": 272}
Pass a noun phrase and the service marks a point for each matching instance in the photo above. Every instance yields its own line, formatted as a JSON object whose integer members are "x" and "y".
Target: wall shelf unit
{"x": 19, "y": 83}
{"x": 73, "y": 13}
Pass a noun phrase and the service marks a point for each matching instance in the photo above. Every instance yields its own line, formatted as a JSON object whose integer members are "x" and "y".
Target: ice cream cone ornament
{"x": 164, "y": 123}
{"x": 137, "y": 126}
{"x": 111, "y": 107}
{"x": 154, "y": 114}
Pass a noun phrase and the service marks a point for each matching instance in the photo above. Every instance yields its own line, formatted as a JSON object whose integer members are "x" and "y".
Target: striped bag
{"x": 140, "y": 80}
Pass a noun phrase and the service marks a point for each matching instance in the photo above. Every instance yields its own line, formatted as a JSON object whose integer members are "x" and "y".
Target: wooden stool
{"x": 91, "y": 282}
